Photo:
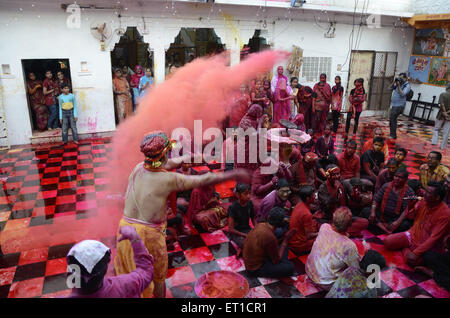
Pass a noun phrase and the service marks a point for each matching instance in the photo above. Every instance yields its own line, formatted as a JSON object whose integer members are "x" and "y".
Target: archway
{"x": 191, "y": 43}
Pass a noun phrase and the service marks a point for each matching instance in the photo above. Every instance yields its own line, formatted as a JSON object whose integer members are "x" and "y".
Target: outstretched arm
{"x": 182, "y": 182}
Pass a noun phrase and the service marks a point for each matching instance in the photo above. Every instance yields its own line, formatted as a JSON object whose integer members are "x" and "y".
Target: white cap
{"x": 88, "y": 253}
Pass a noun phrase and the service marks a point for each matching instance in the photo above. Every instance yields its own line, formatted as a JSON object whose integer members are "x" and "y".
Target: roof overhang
{"x": 429, "y": 21}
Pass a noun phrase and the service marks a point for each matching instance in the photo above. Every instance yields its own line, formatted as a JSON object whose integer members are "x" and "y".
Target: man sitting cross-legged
{"x": 389, "y": 204}
{"x": 262, "y": 255}
{"x": 431, "y": 226}
{"x": 239, "y": 215}
{"x": 302, "y": 220}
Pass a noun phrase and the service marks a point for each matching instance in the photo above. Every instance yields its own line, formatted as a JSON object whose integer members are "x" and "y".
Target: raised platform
{"x": 52, "y": 136}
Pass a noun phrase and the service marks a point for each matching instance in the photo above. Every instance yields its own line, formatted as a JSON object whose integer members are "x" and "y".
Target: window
{"x": 314, "y": 66}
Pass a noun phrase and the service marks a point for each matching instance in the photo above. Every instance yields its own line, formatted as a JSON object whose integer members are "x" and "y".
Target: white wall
{"x": 47, "y": 37}
{"x": 31, "y": 37}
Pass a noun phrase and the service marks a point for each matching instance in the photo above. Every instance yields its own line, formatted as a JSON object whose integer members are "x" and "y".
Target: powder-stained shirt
{"x": 351, "y": 284}
{"x": 350, "y": 167}
{"x": 330, "y": 255}
{"x": 301, "y": 219}
{"x": 391, "y": 204}
{"x": 241, "y": 215}
{"x": 67, "y": 102}
{"x": 438, "y": 174}
{"x": 260, "y": 244}
{"x": 430, "y": 227}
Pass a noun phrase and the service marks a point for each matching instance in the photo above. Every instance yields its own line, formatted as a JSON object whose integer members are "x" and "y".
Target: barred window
{"x": 314, "y": 66}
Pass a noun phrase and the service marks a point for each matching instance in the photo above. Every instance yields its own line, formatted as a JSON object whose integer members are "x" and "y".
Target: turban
{"x": 154, "y": 146}
{"x": 332, "y": 170}
{"x": 311, "y": 156}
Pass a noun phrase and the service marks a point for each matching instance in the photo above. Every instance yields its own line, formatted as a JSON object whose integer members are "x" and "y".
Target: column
{"x": 159, "y": 62}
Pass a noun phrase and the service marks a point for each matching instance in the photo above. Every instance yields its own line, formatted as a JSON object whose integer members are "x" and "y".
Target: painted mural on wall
{"x": 429, "y": 63}
{"x": 430, "y": 42}
{"x": 419, "y": 67}
{"x": 439, "y": 71}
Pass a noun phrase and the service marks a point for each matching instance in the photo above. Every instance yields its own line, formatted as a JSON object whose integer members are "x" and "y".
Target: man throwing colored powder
{"x": 149, "y": 186}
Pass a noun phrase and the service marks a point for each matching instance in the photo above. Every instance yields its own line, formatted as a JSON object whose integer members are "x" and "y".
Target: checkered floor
{"x": 49, "y": 192}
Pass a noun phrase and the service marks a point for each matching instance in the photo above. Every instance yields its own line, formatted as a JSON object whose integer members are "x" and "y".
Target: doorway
{"x": 382, "y": 76}
{"x": 39, "y": 67}
{"x": 131, "y": 51}
{"x": 191, "y": 43}
{"x": 378, "y": 71}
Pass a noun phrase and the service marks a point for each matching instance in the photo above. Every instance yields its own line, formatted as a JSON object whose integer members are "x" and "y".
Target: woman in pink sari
{"x": 34, "y": 89}
{"x": 282, "y": 105}
{"x": 253, "y": 119}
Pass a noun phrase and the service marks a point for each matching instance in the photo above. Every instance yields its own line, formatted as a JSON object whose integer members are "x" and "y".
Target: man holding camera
{"x": 400, "y": 88}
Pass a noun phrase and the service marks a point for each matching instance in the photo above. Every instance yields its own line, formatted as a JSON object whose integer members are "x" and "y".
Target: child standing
{"x": 68, "y": 114}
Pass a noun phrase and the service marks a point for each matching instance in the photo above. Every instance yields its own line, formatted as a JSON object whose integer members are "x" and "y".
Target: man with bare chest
{"x": 149, "y": 187}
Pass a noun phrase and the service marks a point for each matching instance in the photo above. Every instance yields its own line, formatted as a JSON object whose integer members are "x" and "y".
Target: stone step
{"x": 52, "y": 136}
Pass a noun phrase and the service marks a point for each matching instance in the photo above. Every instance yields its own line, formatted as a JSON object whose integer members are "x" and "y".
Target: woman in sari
{"x": 34, "y": 89}
{"x": 294, "y": 101}
{"x": 253, "y": 119}
{"x": 123, "y": 96}
{"x": 304, "y": 98}
{"x": 134, "y": 83}
{"x": 321, "y": 103}
{"x": 63, "y": 81}
{"x": 282, "y": 105}
{"x": 337, "y": 92}
{"x": 205, "y": 209}
{"x": 240, "y": 102}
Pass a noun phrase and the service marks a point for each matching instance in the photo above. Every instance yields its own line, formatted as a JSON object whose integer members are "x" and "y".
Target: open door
{"x": 361, "y": 66}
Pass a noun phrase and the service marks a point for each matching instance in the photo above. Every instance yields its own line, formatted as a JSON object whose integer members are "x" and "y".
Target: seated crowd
{"x": 317, "y": 200}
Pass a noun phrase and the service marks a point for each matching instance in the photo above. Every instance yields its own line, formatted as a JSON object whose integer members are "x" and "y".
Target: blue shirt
{"x": 399, "y": 100}
{"x": 144, "y": 80}
{"x": 67, "y": 102}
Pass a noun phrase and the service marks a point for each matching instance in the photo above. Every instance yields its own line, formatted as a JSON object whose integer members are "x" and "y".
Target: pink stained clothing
{"x": 330, "y": 255}
{"x": 128, "y": 285}
{"x": 337, "y": 94}
{"x": 281, "y": 109}
{"x": 252, "y": 118}
{"x": 239, "y": 106}
{"x": 136, "y": 77}
{"x": 299, "y": 120}
{"x": 274, "y": 83}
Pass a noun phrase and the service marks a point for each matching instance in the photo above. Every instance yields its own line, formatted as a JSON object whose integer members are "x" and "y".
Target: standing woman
{"x": 123, "y": 96}
{"x": 304, "y": 98}
{"x": 34, "y": 89}
{"x": 337, "y": 92}
{"x": 145, "y": 82}
{"x": 294, "y": 102}
{"x": 357, "y": 98}
{"x": 321, "y": 103}
{"x": 282, "y": 105}
{"x": 62, "y": 81}
{"x": 139, "y": 72}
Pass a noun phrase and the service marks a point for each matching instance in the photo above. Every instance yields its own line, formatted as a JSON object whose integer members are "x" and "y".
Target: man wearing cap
{"x": 442, "y": 119}
{"x": 92, "y": 258}
{"x": 149, "y": 187}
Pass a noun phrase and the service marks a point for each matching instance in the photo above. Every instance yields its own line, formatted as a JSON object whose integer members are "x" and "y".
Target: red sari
{"x": 304, "y": 98}
{"x": 321, "y": 105}
{"x": 281, "y": 109}
{"x": 240, "y": 103}
{"x": 37, "y": 103}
